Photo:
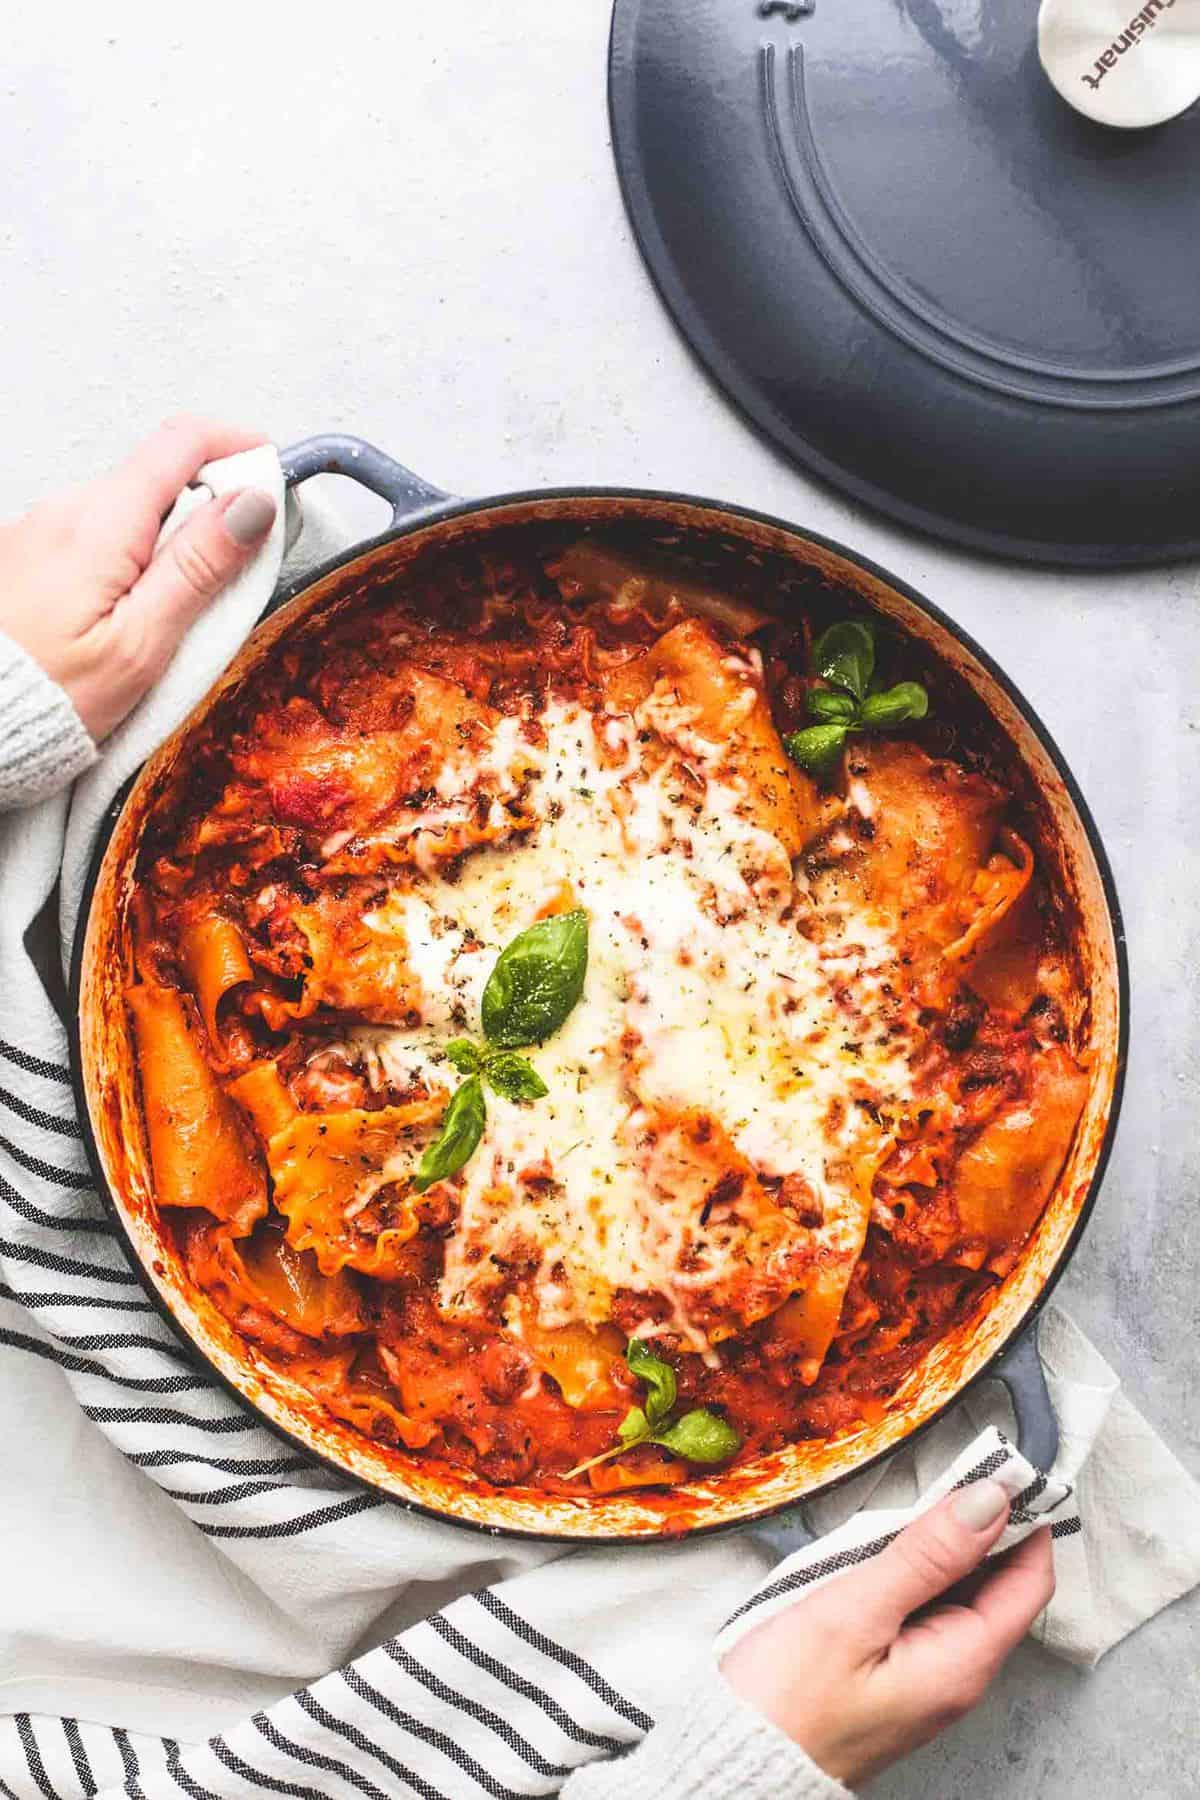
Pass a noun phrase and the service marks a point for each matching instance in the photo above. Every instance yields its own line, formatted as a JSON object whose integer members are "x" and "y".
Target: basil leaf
{"x": 462, "y": 1128}
{"x": 537, "y": 980}
{"x": 634, "y": 1427}
{"x": 464, "y": 1055}
{"x": 831, "y": 706}
{"x": 658, "y": 1376}
{"x": 817, "y": 749}
{"x": 699, "y": 1436}
{"x": 514, "y": 1076}
{"x": 895, "y": 706}
{"x": 845, "y": 655}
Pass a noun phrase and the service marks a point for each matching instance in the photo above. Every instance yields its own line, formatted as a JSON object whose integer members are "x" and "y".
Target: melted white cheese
{"x": 711, "y": 985}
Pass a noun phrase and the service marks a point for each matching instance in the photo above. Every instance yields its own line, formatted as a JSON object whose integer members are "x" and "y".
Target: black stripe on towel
{"x": 1067, "y": 1528}
{"x": 31, "y": 1299}
{"x": 993, "y": 1461}
{"x": 321, "y": 1715}
{"x": 228, "y": 1465}
{"x": 128, "y": 1340}
{"x": 293, "y": 1527}
{"x": 83, "y": 1365}
{"x": 33, "y": 1755}
{"x": 226, "y": 1496}
{"x": 1020, "y": 1516}
{"x": 181, "y": 1777}
{"x": 35, "y": 1065}
{"x": 68, "y": 1178}
{"x": 166, "y": 1415}
{"x": 507, "y": 1733}
{"x": 36, "y": 1215}
{"x": 490, "y": 1665}
{"x": 1028, "y": 1495}
{"x": 236, "y": 1766}
{"x": 33, "y": 1115}
{"x": 129, "y": 1762}
{"x": 313, "y": 1759}
{"x": 558, "y": 1653}
{"x": 79, "y": 1757}
{"x": 65, "y": 1265}
{"x": 802, "y": 1578}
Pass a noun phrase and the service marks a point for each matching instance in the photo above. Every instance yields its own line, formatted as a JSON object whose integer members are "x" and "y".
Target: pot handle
{"x": 336, "y": 454}
{"x": 1020, "y": 1370}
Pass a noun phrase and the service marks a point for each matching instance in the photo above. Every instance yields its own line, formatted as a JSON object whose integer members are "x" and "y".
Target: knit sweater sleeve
{"x": 43, "y": 742}
{"x": 711, "y": 1746}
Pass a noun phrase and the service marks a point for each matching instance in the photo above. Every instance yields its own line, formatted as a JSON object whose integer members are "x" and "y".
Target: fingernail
{"x": 250, "y": 516}
{"x": 980, "y": 1505}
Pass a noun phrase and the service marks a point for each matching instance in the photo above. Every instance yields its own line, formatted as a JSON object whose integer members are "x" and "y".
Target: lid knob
{"x": 1121, "y": 64}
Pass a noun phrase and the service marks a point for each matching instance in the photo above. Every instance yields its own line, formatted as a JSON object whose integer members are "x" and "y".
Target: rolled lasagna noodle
{"x": 261, "y": 1092}
{"x": 216, "y": 962}
{"x": 198, "y": 1152}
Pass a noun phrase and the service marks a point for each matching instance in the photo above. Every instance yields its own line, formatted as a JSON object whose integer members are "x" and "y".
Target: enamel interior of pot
{"x": 790, "y": 1474}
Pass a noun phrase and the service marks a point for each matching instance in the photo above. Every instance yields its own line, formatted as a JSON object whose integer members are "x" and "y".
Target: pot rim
{"x": 438, "y": 513}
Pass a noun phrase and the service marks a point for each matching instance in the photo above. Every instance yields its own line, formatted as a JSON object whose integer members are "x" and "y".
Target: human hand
{"x": 883, "y": 1658}
{"x": 81, "y": 590}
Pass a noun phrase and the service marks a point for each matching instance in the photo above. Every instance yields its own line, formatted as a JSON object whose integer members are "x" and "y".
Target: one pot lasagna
{"x": 556, "y": 1074}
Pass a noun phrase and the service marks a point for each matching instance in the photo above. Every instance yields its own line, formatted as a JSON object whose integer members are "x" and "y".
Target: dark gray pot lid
{"x": 919, "y": 271}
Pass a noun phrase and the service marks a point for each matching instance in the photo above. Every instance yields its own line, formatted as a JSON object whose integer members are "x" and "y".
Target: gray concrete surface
{"x": 403, "y": 221}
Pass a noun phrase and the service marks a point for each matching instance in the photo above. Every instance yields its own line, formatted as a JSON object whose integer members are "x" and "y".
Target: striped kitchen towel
{"x": 178, "y": 1583}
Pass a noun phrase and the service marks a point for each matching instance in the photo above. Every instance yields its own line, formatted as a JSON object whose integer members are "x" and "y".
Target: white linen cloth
{"x": 173, "y": 1568}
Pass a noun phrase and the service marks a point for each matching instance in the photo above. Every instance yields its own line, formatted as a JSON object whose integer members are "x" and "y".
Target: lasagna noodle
{"x": 809, "y": 1320}
{"x": 359, "y": 965}
{"x": 999, "y": 954}
{"x": 735, "y": 1255}
{"x": 1003, "y": 1179}
{"x": 590, "y": 571}
{"x": 260, "y": 1091}
{"x": 710, "y": 703}
{"x": 333, "y": 1380}
{"x": 326, "y": 777}
{"x": 327, "y": 1169}
{"x": 582, "y": 1360}
{"x": 216, "y": 962}
{"x": 197, "y": 1150}
{"x": 932, "y": 828}
{"x": 263, "y": 1274}
{"x": 998, "y": 887}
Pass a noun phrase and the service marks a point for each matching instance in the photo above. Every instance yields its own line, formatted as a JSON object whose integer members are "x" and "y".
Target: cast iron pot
{"x": 769, "y": 1494}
